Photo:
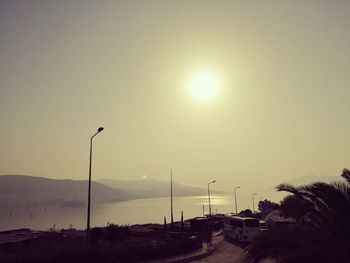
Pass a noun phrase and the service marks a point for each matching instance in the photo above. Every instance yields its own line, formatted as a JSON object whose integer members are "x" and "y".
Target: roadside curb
{"x": 184, "y": 258}
{"x": 218, "y": 234}
{"x": 194, "y": 257}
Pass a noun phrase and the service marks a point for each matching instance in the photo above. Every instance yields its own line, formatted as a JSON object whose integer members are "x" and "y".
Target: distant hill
{"x": 25, "y": 189}
{"x": 149, "y": 188}
{"x": 17, "y": 189}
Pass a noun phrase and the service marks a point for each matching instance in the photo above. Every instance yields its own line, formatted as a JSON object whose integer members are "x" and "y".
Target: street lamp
{"x": 209, "y": 196}
{"x": 89, "y": 190}
{"x": 253, "y": 202}
{"x": 236, "y": 197}
{"x": 171, "y": 199}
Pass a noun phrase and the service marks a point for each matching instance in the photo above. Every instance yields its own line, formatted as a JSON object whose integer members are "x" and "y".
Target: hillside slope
{"x": 29, "y": 189}
{"x": 149, "y": 188}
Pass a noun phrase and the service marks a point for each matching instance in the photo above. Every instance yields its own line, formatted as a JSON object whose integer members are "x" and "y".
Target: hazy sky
{"x": 282, "y": 110}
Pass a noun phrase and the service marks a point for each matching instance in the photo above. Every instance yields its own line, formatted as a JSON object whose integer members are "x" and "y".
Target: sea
{"x": 140, "y": 211}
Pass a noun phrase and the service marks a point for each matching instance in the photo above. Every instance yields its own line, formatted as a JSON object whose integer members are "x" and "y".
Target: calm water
{"x": 130, "y": 212}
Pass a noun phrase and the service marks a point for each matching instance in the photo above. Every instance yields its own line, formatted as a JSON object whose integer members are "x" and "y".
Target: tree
{"x": 322, "y": 234}
{"x": 246, "y": 213}
{"x": 266, "y": 207}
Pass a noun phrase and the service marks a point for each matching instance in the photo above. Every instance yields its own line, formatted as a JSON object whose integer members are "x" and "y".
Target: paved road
{"x": 225, "y": 251}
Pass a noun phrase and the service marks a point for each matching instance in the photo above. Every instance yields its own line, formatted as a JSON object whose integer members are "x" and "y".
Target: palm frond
{"x": 346, "y": 175}
{"x": 286, "y": 245}
{"x": 323, "y": 229}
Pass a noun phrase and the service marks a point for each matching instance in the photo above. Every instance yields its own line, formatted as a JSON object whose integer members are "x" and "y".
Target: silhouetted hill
{"x": 29, "y": 189}
{"x": 149, "y": 188}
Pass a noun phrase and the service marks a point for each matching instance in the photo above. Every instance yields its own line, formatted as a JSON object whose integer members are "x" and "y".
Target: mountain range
{"x": 30, "y": 189}
{"x": 24, "y": 189}
{"x": 150, "y": 188}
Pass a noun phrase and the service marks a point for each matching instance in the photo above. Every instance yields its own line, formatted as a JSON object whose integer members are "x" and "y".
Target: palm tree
{"x": 322, "y": 232}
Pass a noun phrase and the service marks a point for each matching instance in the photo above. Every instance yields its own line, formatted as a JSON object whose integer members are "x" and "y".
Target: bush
{"x": 109, "y": 245}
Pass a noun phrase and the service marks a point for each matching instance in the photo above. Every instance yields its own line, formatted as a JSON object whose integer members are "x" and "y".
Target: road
{"x": 225, "y": 251}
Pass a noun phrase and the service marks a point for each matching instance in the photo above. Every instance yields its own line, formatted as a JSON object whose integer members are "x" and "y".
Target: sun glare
{"x": 204, "y": 86}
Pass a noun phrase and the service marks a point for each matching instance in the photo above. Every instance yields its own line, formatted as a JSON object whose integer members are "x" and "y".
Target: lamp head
{"x": 100, "y": 129}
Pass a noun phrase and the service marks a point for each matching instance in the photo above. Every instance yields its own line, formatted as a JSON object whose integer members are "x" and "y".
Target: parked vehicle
{"x": 242, "y": 229}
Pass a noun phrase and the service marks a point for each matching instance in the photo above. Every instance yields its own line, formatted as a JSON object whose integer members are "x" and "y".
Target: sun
{"x": 204, "y": 86}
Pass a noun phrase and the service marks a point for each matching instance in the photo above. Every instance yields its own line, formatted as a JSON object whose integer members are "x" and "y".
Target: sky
{"x": 281, "y": 109}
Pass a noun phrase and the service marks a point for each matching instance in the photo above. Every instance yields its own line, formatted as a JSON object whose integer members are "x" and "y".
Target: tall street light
{"x": 171, "y": 199}
{"x": 236, "y": 197}
{"x": 209, "y": 196}
{"x": 253, "y": 202}
{"x": 89, "y": 191}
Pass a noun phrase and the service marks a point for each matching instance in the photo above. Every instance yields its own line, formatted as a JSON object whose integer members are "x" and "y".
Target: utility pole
{"x": 89, "y": 189}
{"x": 236, "y": 198}
{"x": 182, "y": 220}
{"x": 253, "y": 202}
{"x": 209, "y": 196}
{"x": 171, "y": 198}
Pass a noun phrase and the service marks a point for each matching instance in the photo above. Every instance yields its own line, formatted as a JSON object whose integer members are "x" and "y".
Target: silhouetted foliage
{"x": 266, "y": 207}
{"x": 246, "y": 213}
{"x": 322, "y": 231}
{"x": 301, "y": 245}
{"x": 110, "y": 244}
{"x": 112, "y": 233}
{"x": 118, "y": 233}
{"x": 293, "y": 207}
{"x": 346, "y": 175}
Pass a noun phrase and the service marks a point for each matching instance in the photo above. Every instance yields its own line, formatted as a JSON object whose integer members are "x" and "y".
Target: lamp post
{"x": 253, "y": 202}
{"x": 236, "y": 197}
{"x": 209, "y": 196}
{"x": 89, "y": 189}
{"x": 171, "y": 200}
